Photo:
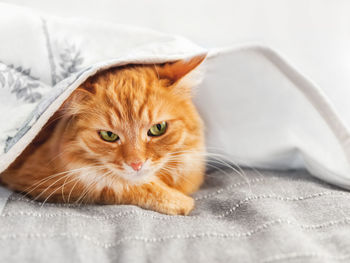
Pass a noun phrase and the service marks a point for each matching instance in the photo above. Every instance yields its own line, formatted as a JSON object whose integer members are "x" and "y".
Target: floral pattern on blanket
{"x": 70, "y": 61}
{"x": 21, "y": 83}
{"x": 28, "y": 89}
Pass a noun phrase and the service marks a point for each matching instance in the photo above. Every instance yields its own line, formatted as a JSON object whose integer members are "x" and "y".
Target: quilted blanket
{"x": 264, "y": 216}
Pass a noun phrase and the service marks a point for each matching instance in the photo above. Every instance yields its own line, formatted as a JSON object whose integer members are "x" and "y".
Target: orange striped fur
{"x": 69, "y": 162}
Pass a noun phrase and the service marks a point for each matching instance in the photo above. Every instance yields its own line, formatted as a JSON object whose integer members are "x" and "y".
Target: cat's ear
{"x": 175, "y": 71}
{"x": 84, "y": 92}
{"x": 88, "y": 87}
{"x": 77, "y": 99}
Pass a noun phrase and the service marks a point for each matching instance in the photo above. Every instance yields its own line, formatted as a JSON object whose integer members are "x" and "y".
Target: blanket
{"x": 259, "y": 111}
{"x": 261, "y": 217}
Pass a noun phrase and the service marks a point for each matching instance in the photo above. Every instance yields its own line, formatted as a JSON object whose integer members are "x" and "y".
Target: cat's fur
{"x": 69, "y": 162}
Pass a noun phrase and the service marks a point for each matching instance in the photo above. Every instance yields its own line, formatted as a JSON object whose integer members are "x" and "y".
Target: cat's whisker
{"x": 227, "y": 163}
{"x": 49, "y": 178}
{"x": 87, "y": 188}
{"x": 210, "y": 163}
{"x": 62, "y": 176}
{"x": 34, "y": 186}
{"x": 180, "y": 175}
{"x": 71, "y": 174}
{"x": 75, "y": 184}
{"x": 53, "y": 192}
{"x": 244, "y": 163}
{"x": 71, "y": 190}
{"x": 90, "y": 188}
{"x": 62, "y": 191}
{"x": 81, "y": 197}
{"x": 48, "y": 188}
{"x": 217, "y": 168}
{"x": 214, "y": 158}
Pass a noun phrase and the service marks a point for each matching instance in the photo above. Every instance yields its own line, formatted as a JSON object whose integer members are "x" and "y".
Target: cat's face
{"x": 135, "y": 122}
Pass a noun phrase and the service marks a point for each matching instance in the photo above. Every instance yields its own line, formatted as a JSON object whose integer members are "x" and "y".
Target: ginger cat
{"x": 129, "y": 135}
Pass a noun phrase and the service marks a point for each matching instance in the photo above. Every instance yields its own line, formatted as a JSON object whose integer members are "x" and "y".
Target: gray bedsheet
{"x": 262, "y": 217}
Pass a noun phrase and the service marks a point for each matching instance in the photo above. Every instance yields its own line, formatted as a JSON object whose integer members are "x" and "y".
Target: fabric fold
{"x": 259, "y": 110}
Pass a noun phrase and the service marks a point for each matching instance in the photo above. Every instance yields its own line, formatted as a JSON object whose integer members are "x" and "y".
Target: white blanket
{"x": 258, "y": 109}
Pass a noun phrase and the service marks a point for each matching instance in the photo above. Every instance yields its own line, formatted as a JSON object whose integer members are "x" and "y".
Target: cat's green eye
{"x": 108, "y": 136}
{"x": 157, "y": 129}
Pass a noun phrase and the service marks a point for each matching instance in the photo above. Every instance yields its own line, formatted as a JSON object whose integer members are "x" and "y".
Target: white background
{"x": 313, "y": 35}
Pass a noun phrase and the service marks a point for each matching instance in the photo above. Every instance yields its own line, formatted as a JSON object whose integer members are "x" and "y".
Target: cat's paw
{"x": 182, "y": 205}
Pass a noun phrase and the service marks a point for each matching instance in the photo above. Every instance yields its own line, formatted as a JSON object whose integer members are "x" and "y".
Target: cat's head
{"x": 137, "y": 121}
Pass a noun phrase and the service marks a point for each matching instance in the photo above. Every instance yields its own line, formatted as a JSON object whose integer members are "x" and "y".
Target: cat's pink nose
{"x": 136, "y": 166}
